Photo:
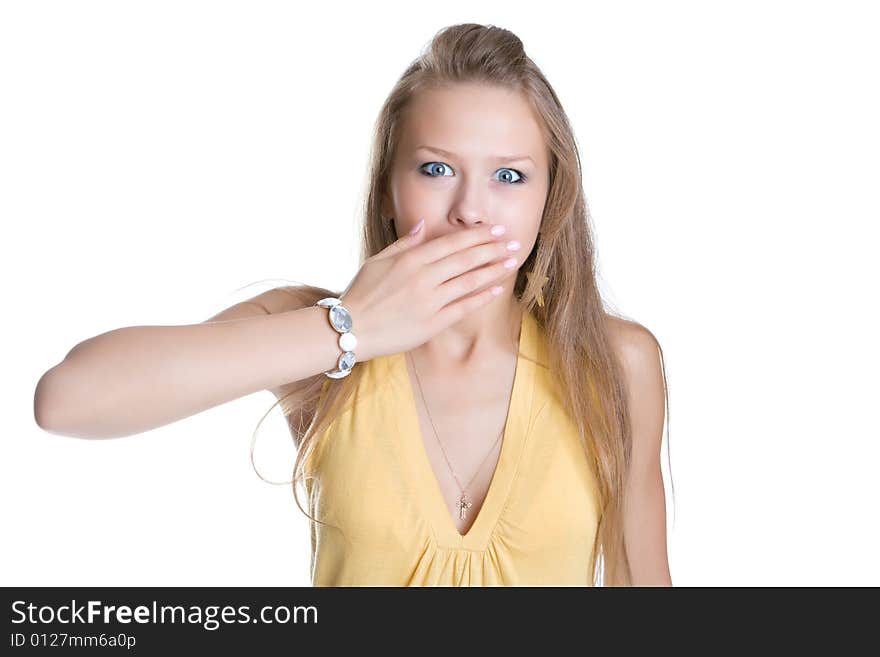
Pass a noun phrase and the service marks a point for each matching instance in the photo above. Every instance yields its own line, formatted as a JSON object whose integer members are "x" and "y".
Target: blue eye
{"x": 521, "y": 176}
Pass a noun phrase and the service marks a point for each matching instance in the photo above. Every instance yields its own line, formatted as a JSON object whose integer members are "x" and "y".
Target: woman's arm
{"x": 645, "y": 506}
{"x": 133, "y": 379}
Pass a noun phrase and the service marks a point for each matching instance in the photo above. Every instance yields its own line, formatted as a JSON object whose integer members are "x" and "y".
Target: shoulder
{"x": 636, "y": 348}
{"x": 270, "y": 302}
{"x": 641, "y": 360}
{"x": 280, "y": 299}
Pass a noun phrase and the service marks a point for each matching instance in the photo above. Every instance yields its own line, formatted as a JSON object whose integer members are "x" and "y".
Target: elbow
{"x": 67, "y": 403}
{"x": 48, "y": 403}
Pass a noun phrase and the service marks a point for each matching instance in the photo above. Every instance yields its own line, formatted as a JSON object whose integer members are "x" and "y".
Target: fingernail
{"x": 510, "y": 263}
{"x": 417, "y": 228}
{"x": 513, "y": 245}
{"x": 498, "y": 230}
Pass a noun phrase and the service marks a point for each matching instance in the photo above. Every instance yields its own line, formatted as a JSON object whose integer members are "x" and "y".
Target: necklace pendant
{"x": 463, "y": 504}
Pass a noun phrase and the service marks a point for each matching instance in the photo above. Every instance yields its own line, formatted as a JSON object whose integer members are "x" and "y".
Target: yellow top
{"x": 372, "y": 477}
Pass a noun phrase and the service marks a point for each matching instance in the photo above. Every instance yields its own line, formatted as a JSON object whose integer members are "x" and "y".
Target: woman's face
{"x": 469, "y": 155}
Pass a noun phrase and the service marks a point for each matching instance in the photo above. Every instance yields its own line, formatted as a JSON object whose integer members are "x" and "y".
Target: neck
{"x": 483, "y": 334}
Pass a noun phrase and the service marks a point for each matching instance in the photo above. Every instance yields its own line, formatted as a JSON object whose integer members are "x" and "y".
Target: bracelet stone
{"x": 340, "y": 319}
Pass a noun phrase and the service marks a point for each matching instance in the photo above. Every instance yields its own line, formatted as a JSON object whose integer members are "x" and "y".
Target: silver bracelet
{"x": 340, "y": 319}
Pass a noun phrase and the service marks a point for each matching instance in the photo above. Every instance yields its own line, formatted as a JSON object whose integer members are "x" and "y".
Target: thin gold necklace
{"x": 463, "y": 503}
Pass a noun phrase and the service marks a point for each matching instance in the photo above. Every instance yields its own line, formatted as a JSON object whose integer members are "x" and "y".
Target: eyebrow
{"x": 497, "y": 158}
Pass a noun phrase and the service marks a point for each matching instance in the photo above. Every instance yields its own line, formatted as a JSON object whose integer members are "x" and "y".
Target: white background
{"x": 157, "y": 157}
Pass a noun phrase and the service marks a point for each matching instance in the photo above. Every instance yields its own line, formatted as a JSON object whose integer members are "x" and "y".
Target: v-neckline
{"x": 427, "y": 488}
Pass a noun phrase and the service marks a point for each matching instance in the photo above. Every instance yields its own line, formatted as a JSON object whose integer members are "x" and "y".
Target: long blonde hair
{"x": 573, "y": 316}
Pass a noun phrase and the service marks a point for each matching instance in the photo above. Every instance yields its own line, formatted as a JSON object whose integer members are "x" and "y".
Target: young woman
{"x": 481, "y": 419}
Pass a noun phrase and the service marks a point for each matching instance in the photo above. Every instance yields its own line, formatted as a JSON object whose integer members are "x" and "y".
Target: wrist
{"x": 341, "y": 322}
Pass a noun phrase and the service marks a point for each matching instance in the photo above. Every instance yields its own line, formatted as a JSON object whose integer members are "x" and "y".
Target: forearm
{"x": 133, "y": 379}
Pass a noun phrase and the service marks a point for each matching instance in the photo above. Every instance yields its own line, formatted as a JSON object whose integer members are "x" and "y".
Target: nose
{"x": 470, "y": 215}
{"x": 470, "y": 207}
